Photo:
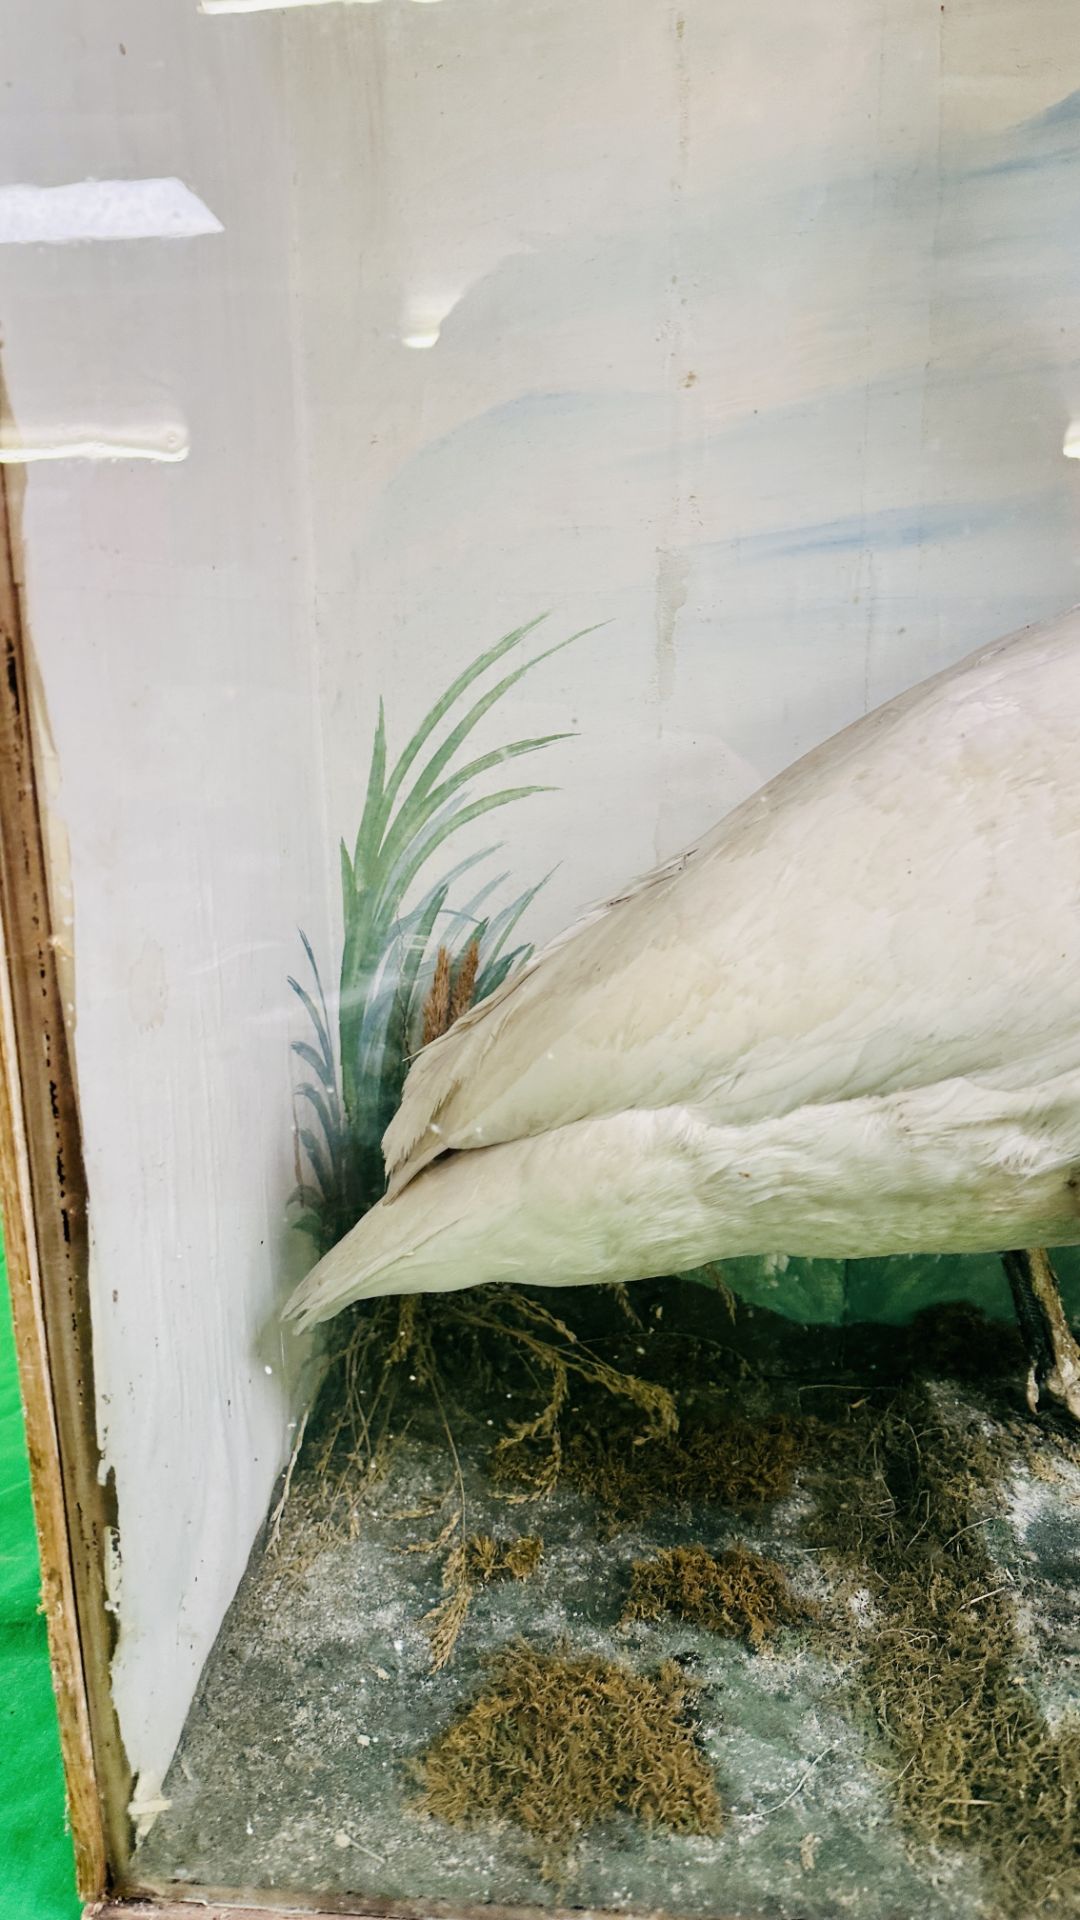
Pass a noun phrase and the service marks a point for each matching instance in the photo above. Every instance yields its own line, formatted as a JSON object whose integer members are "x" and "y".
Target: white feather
{"x": 847, "y": 1022}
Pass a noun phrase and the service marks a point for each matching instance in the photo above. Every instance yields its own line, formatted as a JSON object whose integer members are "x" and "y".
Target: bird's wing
{"x": 862, "y": 923}
{"x": 569, "y": 993}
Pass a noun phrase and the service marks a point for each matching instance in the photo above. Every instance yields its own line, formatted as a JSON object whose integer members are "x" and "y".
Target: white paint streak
{"x": 103, "y": 210}
{"x": 147, "y": 1803}
{"x": 169, "y": 446}
{"x": 672, "y": 573}
{"x": 272, "y": 6}
{"x": 424, "y": 313}
{"x": 148, "y": 988}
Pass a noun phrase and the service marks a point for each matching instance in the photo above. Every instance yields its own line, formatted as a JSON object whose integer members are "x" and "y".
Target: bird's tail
{"x": 609, "y": 1199}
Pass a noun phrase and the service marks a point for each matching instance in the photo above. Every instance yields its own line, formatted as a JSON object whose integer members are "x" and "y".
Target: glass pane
{"x": 470, "y": 451}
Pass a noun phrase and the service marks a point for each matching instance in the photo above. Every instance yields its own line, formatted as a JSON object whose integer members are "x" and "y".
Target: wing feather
{"x": 416, "y": 1135}
{"x": 828, "y": 939}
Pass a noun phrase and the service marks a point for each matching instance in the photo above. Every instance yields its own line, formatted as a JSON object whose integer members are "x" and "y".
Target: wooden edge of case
{"x": 206, "y": 1905}
{"x": 42, "y": 1193}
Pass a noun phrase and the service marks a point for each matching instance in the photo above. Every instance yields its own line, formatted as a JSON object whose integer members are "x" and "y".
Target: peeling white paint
{"x": 103, "y": 210}
{"x": 147, "y": 1804}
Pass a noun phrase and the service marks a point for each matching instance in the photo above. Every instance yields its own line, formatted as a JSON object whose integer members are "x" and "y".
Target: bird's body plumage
{"x": 846, "y": 1022}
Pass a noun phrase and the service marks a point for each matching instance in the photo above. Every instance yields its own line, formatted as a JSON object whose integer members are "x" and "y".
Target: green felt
{"x": 37, "y": 1873}
{"x": 893, "y": 1290}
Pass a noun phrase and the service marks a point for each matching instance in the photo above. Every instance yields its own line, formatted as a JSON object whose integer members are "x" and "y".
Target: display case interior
{"x": 454, "y": 456}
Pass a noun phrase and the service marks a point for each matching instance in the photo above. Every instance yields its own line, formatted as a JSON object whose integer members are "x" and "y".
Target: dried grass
{"x": 461, "y": 993}
{"x": 398, "y": 1359}
{"x": 470, "y": 1566}
{"x": 687, "y": 1465}
{"x": 901, "y": 1491}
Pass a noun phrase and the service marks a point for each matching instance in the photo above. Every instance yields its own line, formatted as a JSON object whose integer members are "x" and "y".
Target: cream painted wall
{"x": 758, "y": 340}
{"x": 755, "y": 337}
{"x": 170, "y": 611}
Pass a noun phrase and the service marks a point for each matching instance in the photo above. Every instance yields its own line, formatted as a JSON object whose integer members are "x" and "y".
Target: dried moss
{"x": 556, "y": 1743}
{"x": 956, "y": 1341}
{"x": 902, "y": 1492}
{"x": 740, "y": 1594}
{"x": 490, "y": 1559}
{"x": 901, "y": 1489}
{"x": 726, "y": 1462}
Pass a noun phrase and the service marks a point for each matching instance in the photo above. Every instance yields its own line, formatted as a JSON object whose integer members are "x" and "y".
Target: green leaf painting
{"x": 398, "y": 909}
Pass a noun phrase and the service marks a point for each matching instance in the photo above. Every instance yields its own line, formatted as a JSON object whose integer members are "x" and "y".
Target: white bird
{"x": 845, "y": 1023}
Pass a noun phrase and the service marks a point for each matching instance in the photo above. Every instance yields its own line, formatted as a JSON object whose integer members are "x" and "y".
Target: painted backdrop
{"x": 748, "y": 331}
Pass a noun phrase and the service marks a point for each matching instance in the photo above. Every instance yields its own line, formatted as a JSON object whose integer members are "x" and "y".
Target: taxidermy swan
{"x": 845, "y": 1023}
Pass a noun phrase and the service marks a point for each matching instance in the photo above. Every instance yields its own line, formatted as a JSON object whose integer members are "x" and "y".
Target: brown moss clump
{"x": 487, "y": 1559}
{"x": 902, "y": 1495}
{"x": 517, "y": 1559}
{"x": 740, "y": 1594}
{"x": 731, "y": 1462}
{"x": 556, "y": 1743}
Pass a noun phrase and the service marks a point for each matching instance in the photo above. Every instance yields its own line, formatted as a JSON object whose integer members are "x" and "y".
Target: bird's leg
{"x": 1051, "y": 1349}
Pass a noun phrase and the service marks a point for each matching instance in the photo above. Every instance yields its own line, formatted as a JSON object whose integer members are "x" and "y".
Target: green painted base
{"x": 836, "y": 1293}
